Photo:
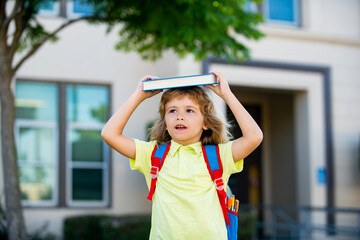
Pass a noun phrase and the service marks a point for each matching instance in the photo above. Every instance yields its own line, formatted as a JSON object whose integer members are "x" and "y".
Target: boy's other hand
{"x": 222, "y": 89}
{"x": 146, "y": 94}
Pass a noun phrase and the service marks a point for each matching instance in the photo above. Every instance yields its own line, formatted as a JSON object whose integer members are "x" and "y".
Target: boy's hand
{"x": 222, "y": 89}
{"x": 146, "y": 94}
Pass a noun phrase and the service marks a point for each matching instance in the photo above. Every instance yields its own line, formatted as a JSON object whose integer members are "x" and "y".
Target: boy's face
{"x": 184, "y": 120}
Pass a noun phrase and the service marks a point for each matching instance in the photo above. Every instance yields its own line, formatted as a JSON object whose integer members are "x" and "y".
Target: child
{"x": 185, "y": 202}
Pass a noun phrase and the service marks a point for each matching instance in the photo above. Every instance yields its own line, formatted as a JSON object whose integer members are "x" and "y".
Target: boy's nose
{"x": 180, "y": 117}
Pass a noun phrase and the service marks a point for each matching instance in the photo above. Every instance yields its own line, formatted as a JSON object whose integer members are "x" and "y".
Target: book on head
{"x": 177, "y": 82}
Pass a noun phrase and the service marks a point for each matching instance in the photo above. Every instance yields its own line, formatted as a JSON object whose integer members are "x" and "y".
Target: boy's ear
{"x": 205, "y": 127}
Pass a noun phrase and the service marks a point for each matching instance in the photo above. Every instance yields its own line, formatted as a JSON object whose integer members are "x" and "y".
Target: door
{"x": 246, "y": 185}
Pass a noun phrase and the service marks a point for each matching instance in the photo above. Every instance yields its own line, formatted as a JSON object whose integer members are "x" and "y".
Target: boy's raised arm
{"x": 252, "y": 134}
{"x": 112, "y": 132}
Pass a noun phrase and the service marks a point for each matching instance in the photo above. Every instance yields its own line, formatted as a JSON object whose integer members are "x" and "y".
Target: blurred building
{"x": 302, "y": 86}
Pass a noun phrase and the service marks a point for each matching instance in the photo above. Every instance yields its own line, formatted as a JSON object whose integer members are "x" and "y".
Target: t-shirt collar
{"x": 196, "y": 147}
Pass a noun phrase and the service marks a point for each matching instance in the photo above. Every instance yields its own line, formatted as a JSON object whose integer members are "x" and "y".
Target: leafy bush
{"x": 107, "y": 227}
{"x": 135, "y": 227}
{"x": 247, "y": 225}
{"x": 3, "y": 231}
{"x": 39, "y": 234}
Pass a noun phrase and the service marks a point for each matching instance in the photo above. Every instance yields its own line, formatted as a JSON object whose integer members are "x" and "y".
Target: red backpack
{"x": 214, "y": 166}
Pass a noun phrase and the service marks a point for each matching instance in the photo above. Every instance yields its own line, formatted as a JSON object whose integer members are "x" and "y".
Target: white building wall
{"x": 330, "y": 37}
{"x": 86, "y": 54}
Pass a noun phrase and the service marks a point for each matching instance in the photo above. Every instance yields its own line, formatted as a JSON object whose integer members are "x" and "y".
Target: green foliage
{"x": 39, "y": 234}
{"x": 100, "y": 113}
{"x": 33, "y": 35}
{"x": 107, "y": 227}
{"x": 148, "y": 127}
{"x": 201, "y": 28}
{"x": 247, "y": 225}
{"x": 3, "y": 231}
{"x": 103, "y": 227}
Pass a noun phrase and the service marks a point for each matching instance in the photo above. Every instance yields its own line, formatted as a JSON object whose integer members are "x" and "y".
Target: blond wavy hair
{"x": 217, "y": 129}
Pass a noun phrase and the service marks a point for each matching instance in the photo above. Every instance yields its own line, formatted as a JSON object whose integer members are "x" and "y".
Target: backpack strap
{"x": 214, "y": 166}
{"x": 157, "y": 160}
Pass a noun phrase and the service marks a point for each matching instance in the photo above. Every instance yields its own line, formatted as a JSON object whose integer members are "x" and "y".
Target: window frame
{"x": 70, "y": 165}
{"x": 51, "y": 13}
{"x": 61, "y": 8}
{"x": 62, "y": 191}
{"x": 19, "y": 123}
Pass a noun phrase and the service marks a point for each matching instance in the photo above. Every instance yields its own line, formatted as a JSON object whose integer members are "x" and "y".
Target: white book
{"x": 177, "y": 82}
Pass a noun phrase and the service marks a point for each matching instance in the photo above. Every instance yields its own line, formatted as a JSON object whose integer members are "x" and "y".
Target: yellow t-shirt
{"x": 185, "y": 202}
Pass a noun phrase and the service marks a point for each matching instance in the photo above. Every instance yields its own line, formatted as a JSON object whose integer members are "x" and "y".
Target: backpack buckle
{"x": 219, "y": 184}
{"x": 154, "y": 172}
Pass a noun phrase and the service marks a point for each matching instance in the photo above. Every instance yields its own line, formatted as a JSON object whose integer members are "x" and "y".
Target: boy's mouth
{"x": 180, "y": 127}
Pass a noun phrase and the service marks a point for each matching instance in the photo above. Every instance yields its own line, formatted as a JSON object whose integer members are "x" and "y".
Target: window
{"x": 77, "y": 8}
{"x": 36, "y": 130}
{"x": 49, "y": 9}
{"x": 280, "y": 12}
{"x": 66, "y": 8}
{"x": 59, "y": 144}
{"x": 87, "y": 154}
{"x": 286, "y": 12}
{"x": 251, "y": 6}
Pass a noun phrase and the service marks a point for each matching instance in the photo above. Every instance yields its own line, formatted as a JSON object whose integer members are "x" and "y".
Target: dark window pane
{"x": 87, "y": 184}
{"x": 87, "y": 145}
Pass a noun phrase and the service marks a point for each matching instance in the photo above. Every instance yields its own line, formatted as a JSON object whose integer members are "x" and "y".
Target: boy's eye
{"x": 172, "y": 110}
{"x": 189, "y": 110}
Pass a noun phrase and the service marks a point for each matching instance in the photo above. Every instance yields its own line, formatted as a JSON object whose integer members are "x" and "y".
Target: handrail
{"x": 296, "y": 222}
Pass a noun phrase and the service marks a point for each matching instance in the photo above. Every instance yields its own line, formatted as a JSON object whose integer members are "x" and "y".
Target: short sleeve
{"x": 229, "y": 166}
{"x": 142, "y": 161}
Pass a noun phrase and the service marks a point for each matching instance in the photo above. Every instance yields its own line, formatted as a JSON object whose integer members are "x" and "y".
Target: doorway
{"x": 296, "y": 120}
{"x": 247, "y": 185}
{"x": 269, "y": 175}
